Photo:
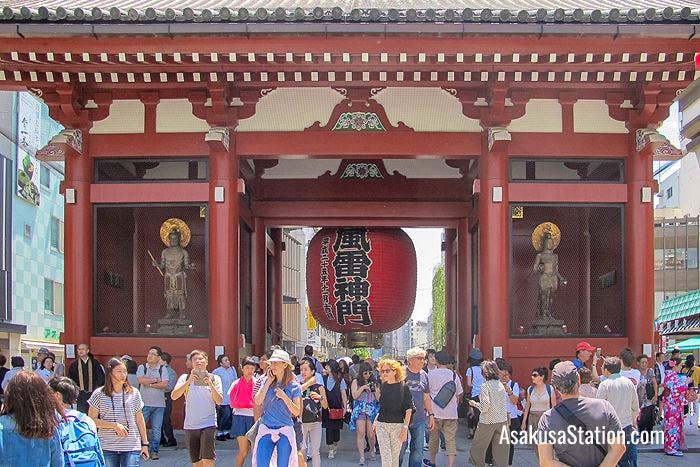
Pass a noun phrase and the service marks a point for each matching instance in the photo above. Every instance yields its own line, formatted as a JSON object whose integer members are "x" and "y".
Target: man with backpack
{"x": 445, "y": 388}
{"x": 153, "y": 381}
{"x": 78, "y": 432}
{"x": 309, "y": 352}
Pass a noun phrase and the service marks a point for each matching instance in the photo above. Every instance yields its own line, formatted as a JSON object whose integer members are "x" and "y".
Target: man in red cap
{"x": 584, "y": 351}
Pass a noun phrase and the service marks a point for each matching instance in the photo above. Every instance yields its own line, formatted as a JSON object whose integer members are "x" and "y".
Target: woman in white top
{"x": 540, "y": 398}
{"x": 116, "y": 409}
{"x": 47, "y": 369}
{"x": 492, "y": 420}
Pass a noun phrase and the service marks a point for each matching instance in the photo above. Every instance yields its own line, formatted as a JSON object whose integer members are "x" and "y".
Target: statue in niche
{"x": 545, "y": 239}
{"x": 174, "y": 261}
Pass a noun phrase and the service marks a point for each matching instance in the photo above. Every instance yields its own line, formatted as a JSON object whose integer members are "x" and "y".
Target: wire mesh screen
{"x": 567, "y": 270}
{"x": 151, "y": 270}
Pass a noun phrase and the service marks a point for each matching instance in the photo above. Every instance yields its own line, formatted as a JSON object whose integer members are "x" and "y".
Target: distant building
{"x": 294, "y": 322}
{"x": 31, "y": 310}
{"x": 419, "y": 334}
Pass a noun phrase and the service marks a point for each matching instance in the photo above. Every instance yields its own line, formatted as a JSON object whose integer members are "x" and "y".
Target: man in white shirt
{"x": 622, "y": 395}
{"x": 203, "y": 392}
{"x": 445, "y": 410}
{"x": 153, "y": 382}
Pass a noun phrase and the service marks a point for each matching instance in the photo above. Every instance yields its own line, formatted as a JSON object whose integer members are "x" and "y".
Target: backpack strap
{"x": 572, "y": 419}
{"x": 549, "y": 394}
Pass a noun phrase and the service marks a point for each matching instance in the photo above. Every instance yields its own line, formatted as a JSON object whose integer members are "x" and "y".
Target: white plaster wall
{"x": 292, "y": 109}
{"x": 125, "y": 116}
{"x": 591, "y": 116}
{"x": 541, "y": 115}
{"x": 689, "y": 185}
{"x": 175, "y": 116}
{"x": 425, "y": 109}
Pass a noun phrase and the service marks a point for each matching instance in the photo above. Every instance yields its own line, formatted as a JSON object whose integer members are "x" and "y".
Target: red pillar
{"x": 464, "y": 306}
{"x": 639, "y": 247}
{"x": 259, "y": 280}
{"x": 223, "y": 249}
{"x": 78, "y": 258}
{"x": 450, "y": 305}
{"x": 494, "y": 213}
{"x": 276, "y": 327}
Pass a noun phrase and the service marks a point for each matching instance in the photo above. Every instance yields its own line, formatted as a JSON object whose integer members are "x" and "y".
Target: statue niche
{"x": 545, "y": 239}
{"x": 174, "y": 261}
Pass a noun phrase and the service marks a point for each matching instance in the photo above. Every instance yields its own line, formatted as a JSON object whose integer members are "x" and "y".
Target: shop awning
{"x": 688, "y": 344}
{"x": 32, "y": 344}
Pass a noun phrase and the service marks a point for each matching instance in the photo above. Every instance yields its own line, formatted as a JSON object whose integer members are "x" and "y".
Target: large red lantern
{"x": 361, "y": 281}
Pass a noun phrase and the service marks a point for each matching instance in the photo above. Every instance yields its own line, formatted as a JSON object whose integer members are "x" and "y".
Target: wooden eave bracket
{"x": 651, "y": 141}
{"x": 650, "y": 109}
{"x": 67, "y": 143}
{"x": 68, "y": 105}
{"x": 497, "y": 112}
{"x": 215, "y": 105}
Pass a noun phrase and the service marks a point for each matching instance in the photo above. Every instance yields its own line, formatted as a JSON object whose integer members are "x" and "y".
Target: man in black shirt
{"x": 87, "y": 374}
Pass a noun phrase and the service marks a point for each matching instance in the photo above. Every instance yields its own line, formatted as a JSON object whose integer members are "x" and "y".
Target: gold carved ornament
{"x": 181, "y": 226}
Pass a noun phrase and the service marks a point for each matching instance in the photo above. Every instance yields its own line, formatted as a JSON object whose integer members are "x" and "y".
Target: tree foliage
{"x": 362, "y": 352}
{"x": 439, "y": 307}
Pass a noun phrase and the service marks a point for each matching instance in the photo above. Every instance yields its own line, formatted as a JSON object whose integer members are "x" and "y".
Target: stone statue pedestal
{"x": 548, "y": 326}
{"x": 175, "y": 326}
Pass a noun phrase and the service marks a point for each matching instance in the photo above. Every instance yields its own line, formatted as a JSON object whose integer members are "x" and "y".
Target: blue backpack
{"x": 81, "y": 446}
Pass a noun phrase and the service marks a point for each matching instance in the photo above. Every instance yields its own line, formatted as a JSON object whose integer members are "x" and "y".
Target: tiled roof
{"x": 680, "y": 307}
{"x": 380, "y": 11}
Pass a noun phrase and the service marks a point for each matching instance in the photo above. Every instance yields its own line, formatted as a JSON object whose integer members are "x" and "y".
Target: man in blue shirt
{"x": 584, "y": 350}
{"x": 223, "y": 412}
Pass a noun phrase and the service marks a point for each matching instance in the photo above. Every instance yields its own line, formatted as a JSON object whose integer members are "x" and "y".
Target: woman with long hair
{"x": 365, "y": 407}
{"x": 47, "y": 369}
{"x": 29, "y": 425}
{"x": 280, "y": 398}
{"x": 540, "y": 397}
{"x": 674, "y": 399}
{"x": 646, "y": 387}
{"x": 333, "y": 417}
{"x": 395, "y": 409}
{"x": 116, "y": 409}
{"x": 313, "y": 401}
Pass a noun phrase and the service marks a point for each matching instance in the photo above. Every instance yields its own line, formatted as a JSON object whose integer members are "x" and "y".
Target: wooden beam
{"x": 567, "y": 192}
{"x": 149, "y": 192}
{"x": 388, "y": 145}
{"x": 434, "y": 211}
{"x": 365, "y": 222}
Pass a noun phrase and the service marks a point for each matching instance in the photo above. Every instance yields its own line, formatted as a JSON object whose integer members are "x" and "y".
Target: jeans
{"x": 223, "y": 419}
{"x": 122, "y": 458}
{"x": 417, "y": 433}
{"x": 155, "y": 414}
{"x": 629, "y": 458}
{"x": 266, "y": 446}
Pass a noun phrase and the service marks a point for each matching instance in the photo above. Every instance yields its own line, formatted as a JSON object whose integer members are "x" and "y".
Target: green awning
{"x": 688, "y": 344}
{"x": 682, "y": 306}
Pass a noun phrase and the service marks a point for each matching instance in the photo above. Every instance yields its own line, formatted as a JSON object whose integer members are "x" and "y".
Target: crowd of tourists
{"x": 279, "y": 407}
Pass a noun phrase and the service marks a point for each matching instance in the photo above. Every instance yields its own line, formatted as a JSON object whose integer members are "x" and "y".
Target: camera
{"x": 372, "y": 387}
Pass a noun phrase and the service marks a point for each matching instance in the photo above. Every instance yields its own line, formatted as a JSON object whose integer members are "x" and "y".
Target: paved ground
{"x": 347, "y": 454}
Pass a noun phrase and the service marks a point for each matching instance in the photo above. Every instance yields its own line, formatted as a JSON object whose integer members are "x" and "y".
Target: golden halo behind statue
{"x": 543, "y": 229}
{"x": 175, "y": 223}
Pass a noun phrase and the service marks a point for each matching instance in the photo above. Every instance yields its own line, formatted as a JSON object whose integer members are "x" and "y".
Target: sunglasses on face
{"x": 387, "y": 371}
{"x": 366, "y": 372}
{"x": 535, "y": 375}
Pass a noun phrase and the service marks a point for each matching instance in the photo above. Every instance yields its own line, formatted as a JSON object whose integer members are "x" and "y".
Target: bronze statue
{"x": 545, "y": 238}
{"x": 174, "y": 261}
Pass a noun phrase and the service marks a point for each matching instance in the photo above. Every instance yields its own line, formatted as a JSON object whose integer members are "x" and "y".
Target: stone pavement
{"x": 347, "y": 454}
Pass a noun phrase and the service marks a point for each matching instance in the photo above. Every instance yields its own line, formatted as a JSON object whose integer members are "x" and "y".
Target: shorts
{"x": 240, "y": 424}
{"x": 201, "y": 443}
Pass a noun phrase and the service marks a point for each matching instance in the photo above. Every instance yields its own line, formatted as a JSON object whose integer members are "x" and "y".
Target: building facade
{"x": 519, "y": 133}
{"x": 34, "y": 225}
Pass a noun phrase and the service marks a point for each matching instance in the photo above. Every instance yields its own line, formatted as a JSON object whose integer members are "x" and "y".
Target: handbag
{"x": 336, "y": 414}
{"x": 649, "y": 391}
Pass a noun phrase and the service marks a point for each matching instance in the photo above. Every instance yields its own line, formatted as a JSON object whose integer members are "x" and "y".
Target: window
{"x": 669, "y": 192}
{"x": 563, "y": 171}
{"x": 658, "y": 259}
{"x": 45, "y": 176}
{"x": 692, "y": 258}
{"x": 57, "y": 234}
{"x": 150, "y": 170}
{"x": 53, "y": 297}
